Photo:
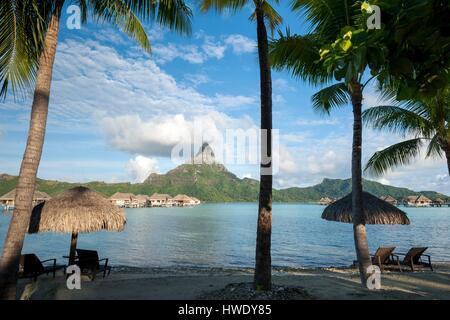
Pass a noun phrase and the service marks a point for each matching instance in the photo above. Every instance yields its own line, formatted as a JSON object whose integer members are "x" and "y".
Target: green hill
{"x": 214, "y": 183}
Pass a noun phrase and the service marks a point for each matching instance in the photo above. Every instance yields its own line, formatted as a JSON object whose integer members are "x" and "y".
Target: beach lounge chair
{"x": 89, "y": 263}
{"x": 413, "y": 258}
{"x": 382, "y": 257}
{"x": 31, "y": 267}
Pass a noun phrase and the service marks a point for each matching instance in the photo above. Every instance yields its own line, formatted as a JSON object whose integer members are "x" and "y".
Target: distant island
{"x": 211, "y": 181}
{"x": 214, "y": 183}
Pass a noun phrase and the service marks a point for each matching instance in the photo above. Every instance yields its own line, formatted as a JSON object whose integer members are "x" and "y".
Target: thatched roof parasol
{"x": 376, "y": 211}
{"x": 76, "y": 210}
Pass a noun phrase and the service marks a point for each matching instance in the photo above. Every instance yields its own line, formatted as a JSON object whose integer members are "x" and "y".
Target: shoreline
{"x": 182, "y": 283}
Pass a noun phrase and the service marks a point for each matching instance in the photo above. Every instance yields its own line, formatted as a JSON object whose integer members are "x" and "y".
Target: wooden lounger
{"x": 382, "y": 257}
{"x": 31, "y": 267}
{"x": 89, "y": 263}
{"x": 413, "y": 258}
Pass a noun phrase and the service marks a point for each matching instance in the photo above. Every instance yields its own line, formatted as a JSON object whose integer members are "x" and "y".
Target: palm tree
{"x": 426, "y": 121}
{"x": 263, "y": 13}
{"x": 312, "y": 58}
{"x": 19, "y": 69}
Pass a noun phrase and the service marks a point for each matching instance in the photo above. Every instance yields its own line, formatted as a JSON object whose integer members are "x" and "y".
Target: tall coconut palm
{"x": 264, "y": 13}
{"x": 19, "y": 68}
{"x": 425, "y": 121}
{"x": 338, "y": 47}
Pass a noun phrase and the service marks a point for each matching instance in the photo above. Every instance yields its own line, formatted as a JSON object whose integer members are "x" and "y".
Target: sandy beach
{"x": 191, "y": 284}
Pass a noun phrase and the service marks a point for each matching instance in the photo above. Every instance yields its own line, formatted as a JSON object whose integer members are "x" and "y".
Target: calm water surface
{"x": 223, "y": 235}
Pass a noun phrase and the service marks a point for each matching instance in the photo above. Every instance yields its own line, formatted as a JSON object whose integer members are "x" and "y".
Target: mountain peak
{"x": 204, "y": 156}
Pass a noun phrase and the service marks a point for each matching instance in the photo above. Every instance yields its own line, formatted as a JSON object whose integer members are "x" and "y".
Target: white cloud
{"x": 316, "y": 122}
{"x": 209, "y": 48}
{"x": 140, "y": 168}
{"x": 279, "y": 99}
{"x": 282, "y": 85}
{"x": 157, "y": 136}
{"x": 196, "y": 79}
{"x": 234, "y": 101}
{"x": 240, "y": 44}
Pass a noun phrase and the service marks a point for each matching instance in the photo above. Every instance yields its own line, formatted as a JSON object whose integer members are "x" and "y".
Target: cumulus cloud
{"x": 240, "y": 44}
{"x": 158, "y": 136}
{"x": 282, "y": 85}
{"x": 234, "y": 101}
{"x": 140, "y": 167}
{"x": 208, "y": 48}
{"x": 316, "y": 122}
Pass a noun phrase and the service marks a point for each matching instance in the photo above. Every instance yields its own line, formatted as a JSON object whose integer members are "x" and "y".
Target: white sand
{"x": 330, "y": 283}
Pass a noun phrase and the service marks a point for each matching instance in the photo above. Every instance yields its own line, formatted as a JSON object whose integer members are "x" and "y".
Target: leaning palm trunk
{"x": 446, "y": 147}
{"x": 27, "y": 177}
{"x": 359, "y": 227}
{"x": 263, "y": 263}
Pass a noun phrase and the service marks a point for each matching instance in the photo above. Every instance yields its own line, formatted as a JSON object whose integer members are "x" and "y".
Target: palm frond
{"x": 334, "y": 96}
{"x": 398, "y": 154}
{"x": 174, "y": 14}
{"x": 223, "y": 5}
{"x": 326, "y": 17}
{"x": 398, "y": 120}
{"x": 119, "y": 13}
{"x": 272, "y": 17}
{"x": 434, "y": 149}
{"x": 299, "y": 55}
{"x": 22, "y": 29}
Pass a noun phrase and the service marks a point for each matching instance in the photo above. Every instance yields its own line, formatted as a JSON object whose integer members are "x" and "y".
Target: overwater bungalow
{"x": 438, "y": 203}
{"x": 122, "y": 200}
{"x": 418, "y": 201}
{"x": 141, "y": 201}
{"x": 325, "y": 201}
{"x": 183, "y": 200}
{"x": 196, "y": 201}
{"x": 161, "y": 200}
{"x": 389, "y": 199}
{"x": 7, "y": 200}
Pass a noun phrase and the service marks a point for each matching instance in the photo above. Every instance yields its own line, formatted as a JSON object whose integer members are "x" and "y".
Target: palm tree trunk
{"x": 359, "y": 227}
{"x": 447, "y": 156}
{"x": 263, "y": 261}
{"x": 27, "y": 177}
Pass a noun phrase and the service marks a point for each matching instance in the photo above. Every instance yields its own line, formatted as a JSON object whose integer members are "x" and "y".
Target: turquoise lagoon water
{"x": 223, "y": 235}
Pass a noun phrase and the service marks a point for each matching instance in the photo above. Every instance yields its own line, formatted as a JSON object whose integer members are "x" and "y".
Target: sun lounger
{"x": 31, "y": 267}
{"x": 413, "y": 258}
{"x": 89, "y": 263}
{"x": 382, "y": 257}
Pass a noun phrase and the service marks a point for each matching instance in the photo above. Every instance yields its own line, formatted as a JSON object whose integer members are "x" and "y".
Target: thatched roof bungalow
{"x": 8, "y": 199}
{"x": 325, "y": 201}
{"x": 141, "y": 200}
{"x": 376, "y": 211}
{"x": 196, "y": 201}
{"x": 122, "y": 199}
{"x": 160, "y": 199}
{"x": 418, "y": 201}
{"x": 389, "y": 199}
{"x": 183, "y": 200}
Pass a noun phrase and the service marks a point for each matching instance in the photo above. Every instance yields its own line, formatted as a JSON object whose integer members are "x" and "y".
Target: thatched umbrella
{"x": 376, "y": 211}
{"x": 76, "y": 210}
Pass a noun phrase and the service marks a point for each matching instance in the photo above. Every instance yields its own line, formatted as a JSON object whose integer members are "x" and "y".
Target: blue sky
{"x": 115, "y": 111}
